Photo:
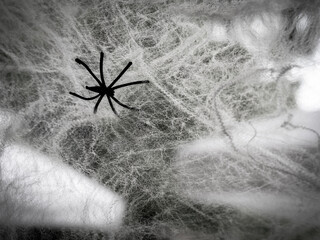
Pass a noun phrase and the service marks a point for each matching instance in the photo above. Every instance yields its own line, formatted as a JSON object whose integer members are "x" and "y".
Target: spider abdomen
{"x": 102, "y": 90}
{"x": 97, "y": 89}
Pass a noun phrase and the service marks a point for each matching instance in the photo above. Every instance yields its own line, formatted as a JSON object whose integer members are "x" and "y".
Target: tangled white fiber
{"x": 210, "y": 154}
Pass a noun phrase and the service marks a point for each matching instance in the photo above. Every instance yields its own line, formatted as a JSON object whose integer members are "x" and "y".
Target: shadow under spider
{"x": 103, "y": 90}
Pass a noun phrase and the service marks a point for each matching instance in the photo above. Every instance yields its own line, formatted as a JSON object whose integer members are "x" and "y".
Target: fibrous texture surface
{"x": 213, "y": 67}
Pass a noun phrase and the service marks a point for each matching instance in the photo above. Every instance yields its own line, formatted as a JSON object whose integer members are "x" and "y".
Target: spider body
{"x": 104, "y": 90}
{"x": 101, "y": 90}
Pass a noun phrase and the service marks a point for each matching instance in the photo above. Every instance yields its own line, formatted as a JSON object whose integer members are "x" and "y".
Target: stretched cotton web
{"x": 204, "y": 85}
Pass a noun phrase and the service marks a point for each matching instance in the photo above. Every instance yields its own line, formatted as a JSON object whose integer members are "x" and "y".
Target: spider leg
{"x": 97, "y": 104}
{"x": 123, "y": 105}
{"x": 101, "y": 68}
{"x": 132, "y": 83}
{"x": 119, "y": 76}
{"x": 112, "y": 107}
{"x": 84, "y": 98}
{"x": 88, "y": 69}
{"x": 96, "y": 89}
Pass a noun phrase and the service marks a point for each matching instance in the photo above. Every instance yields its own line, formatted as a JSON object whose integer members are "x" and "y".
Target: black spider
{"x": 102, "y": 89}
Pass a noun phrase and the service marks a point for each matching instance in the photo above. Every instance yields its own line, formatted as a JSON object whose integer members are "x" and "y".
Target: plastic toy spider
{"x": 102, "y": 89}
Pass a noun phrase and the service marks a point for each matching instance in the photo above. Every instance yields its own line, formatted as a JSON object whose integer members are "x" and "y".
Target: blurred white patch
{"x": 258, "y": 31}
{"x": 308, "y": 95}
{"x": 255, "y": 179}
{"x": 217, "y": 30}
{"x": 302, "y": 23}
{"x": 41, "y": 191}
{"x": 308, "y": 74}
{"x": 267, "y": 204}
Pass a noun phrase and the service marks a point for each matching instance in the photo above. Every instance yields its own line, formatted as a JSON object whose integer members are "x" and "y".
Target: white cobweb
{"x": 202, "y": 85}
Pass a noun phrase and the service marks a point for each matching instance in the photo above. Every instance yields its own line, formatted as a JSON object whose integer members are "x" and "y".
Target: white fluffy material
{"x": 257, "y": 30}
{"x": 39, "y": 191}
{"x": 215, "y": 119}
